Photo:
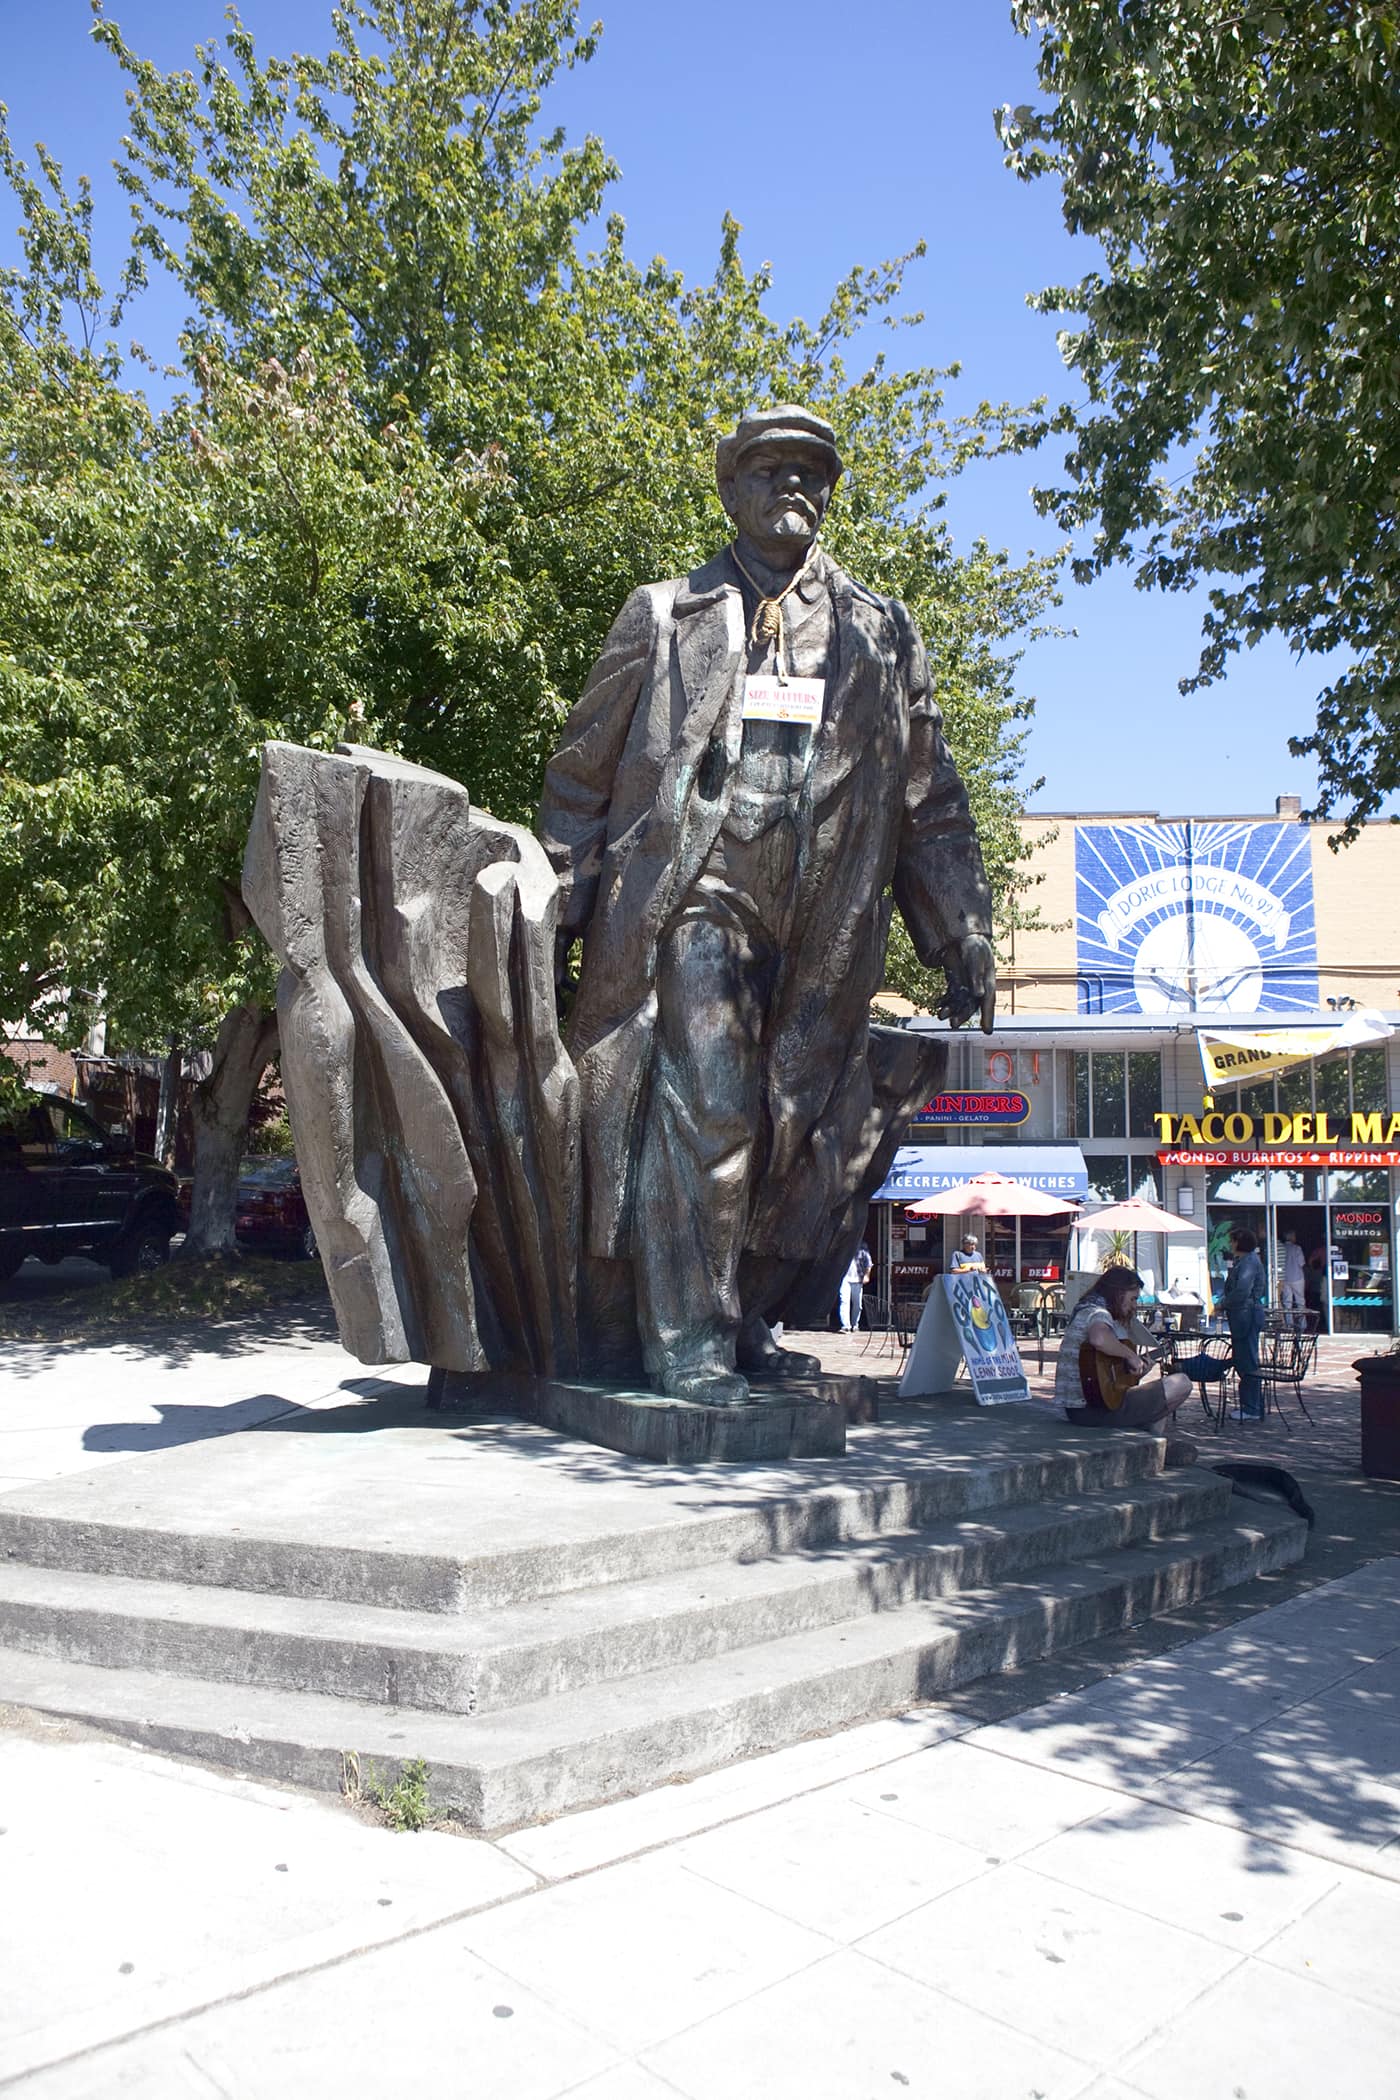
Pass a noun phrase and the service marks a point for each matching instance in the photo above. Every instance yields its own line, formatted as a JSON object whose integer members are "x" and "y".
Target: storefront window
{"x": 1044, "y": 1249}
{"x": 1108, "y": 1180}
{"x": 1297, "y": 1185}
{"x": 999, "y": 1252}
{"x": 1295, "y": 1090}
{"x": 1109, "y": 1096}
{"x": 1145, "y": 1179}
{"x": 1235, "y": 1185}
{"x": 1362, "y": 1290}
{"x": 1115, "y": 1093}
{"x": 1144, "y": 1092}
{"x": 1258, "y": 1100}
{"x": 1035, "y": 1078}
{"x": 1368, "y": 1088}
{"x": 1226, "y": 1218}
{"x": 1041, "y": 1075}
{"x": 1332, "y": 1089}
{"x": 1361, "y": 1185}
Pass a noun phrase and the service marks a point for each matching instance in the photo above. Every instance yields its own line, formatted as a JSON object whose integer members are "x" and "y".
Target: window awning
{"x": 926, "y": 1170}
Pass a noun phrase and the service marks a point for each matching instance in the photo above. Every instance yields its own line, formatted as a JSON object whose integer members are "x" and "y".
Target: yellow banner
{"x": 1253, "y": 1053}
{"x": 1231, "y": 1056}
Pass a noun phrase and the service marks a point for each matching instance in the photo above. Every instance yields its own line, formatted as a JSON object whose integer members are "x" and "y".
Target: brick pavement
{"x": 1330, "y": 1444}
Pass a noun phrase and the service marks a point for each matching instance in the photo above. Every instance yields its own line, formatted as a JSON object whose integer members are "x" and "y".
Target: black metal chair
{"x": 1032, "y": 1316}
{"x": 907, "y": 1312}
{"x": 1308, "y": 1333}
{"x": 1024, "y": 1315}
{"x": 1052, "y": 1308}
{"x": 1285, "y": 1358}
{"x": 879, "y": 1319}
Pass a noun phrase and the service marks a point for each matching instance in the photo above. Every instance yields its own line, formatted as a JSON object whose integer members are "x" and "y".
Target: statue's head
{"x": 776, "y": 475}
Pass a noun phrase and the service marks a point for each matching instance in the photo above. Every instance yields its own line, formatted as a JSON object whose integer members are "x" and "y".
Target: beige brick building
{"x": 1356, "y": 893}
{"x": 1164, "y": 940}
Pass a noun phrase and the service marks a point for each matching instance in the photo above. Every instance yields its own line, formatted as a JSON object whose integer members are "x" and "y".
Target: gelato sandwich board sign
{"x": 964, "y": 1322}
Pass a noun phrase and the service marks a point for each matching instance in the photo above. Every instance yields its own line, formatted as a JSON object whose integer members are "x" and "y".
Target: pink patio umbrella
{"x": 993, "y": 1195}
{"x": 1134, "y": 1216}
{"x": 990, "y": 1196}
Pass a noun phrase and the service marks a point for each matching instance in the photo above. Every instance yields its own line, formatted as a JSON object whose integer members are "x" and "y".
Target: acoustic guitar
{"x": 1105, "y": 1380}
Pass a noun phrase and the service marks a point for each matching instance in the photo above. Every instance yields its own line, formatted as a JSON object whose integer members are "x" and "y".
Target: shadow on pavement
{"x": 1285, "y": 1727}
{"x": 188, "y": 1423}
{"x": 171, "y": 1347}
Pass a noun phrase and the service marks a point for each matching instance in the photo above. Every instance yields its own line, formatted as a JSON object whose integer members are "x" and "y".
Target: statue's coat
{"x": 633, "y": 803}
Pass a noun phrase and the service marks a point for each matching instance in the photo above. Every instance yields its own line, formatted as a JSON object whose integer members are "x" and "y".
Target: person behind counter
{"x": 1104, "y": 1318}
{"x": 1293, "y": 1270}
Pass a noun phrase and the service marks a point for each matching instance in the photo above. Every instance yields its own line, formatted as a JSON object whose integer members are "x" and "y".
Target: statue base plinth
{"x": 800, "y": 1418}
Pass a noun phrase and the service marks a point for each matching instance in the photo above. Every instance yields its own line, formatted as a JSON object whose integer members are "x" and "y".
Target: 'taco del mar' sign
{"x": 1309, "y": 1138}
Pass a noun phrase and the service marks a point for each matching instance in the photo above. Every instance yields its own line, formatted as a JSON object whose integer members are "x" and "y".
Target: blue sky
{"x": 836, "y": 135}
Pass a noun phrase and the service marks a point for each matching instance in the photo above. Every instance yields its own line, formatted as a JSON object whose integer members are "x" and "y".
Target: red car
{"x": 271, "y": 1210}
{"x": 271, "y": 1214}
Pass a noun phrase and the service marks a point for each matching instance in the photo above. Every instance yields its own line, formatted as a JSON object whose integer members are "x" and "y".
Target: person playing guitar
{"x": 1101, "y": 1375}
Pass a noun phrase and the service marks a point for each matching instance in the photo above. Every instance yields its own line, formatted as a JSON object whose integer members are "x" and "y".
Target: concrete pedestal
{"x": 793, "y": 1419}
{"x": 546, "y": 1624}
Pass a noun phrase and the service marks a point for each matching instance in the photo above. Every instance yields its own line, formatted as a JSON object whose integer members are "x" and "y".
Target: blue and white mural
{"x": 1202, "y": 914}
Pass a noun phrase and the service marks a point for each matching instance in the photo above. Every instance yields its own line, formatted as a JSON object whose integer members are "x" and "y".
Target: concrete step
{"x": 610, "y": 1739}
{"x": 479, "y": 1662}
{"x": 172, "y": 1519}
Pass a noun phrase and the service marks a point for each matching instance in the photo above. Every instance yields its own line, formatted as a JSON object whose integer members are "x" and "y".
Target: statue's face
{"x": 778, "y": 497}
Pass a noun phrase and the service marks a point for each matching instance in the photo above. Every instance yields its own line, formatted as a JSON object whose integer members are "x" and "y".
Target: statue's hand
{"x": 970, "y": 967}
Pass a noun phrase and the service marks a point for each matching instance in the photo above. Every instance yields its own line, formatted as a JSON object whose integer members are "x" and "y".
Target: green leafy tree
{"x": 427, "y": 445}
{"x": 1240, "y": 165}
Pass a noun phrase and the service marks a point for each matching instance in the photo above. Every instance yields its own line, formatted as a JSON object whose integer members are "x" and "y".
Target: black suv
{"x": 67, "y": 1186}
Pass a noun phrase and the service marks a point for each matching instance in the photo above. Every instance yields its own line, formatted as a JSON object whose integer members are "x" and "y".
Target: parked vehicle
{"x": 271, "y": 1210}
{"x": 67, "y": 1186}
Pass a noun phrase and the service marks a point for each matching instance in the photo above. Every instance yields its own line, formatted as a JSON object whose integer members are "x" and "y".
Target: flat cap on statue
{"x": 786, "y": 424}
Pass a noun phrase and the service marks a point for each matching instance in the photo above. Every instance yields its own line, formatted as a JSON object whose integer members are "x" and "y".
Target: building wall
{"x": 1039, "y": 969}
{"x": 1152, "y": 926}
{"x": 41, "y": 1063}
{"x": 1358, "y": 915}
{"x": 1356, "y": 898}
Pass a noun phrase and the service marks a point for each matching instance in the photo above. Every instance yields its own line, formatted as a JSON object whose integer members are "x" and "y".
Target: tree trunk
{"x": 168, "y": 1110}
{"x": 247, "y": 1041}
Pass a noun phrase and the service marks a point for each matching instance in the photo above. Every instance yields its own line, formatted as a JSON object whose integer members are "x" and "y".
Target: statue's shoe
{"x": 774, "y": 1362}
{"x": 712, "y": 1389}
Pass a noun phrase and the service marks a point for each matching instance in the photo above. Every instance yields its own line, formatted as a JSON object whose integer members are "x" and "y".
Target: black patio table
{"x": 1207, "y": 1359}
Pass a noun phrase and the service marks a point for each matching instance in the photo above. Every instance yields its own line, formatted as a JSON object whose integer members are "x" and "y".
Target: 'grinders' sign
{"x": 947, "y": 1109}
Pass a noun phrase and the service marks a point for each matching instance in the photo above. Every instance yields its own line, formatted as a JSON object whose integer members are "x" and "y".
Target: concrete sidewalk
{"x": 1182, "y": 1882}
{"x": 1179, "y": 1878}
{"x": 66, "y": 1407}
